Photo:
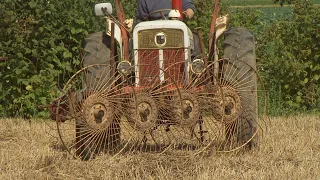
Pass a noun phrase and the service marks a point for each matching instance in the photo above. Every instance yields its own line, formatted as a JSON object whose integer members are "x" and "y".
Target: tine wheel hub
{"x": 143, "y": 112}
{"x": 188, "y": 110}
{"x": 98, "y": 112}
{"x": 232, "y": 104}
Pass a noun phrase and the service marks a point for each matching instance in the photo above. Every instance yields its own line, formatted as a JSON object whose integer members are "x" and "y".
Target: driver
{"x": 145, "y": 7}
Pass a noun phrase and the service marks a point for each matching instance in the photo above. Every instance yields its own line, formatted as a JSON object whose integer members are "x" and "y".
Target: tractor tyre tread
{"x": 239, "y": 45}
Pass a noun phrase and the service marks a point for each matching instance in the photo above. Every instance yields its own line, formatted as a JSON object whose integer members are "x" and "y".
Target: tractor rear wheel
{"x": 239, "y": 52}
{"x": 93, "y": 123}
{"x": 97, "y": 51}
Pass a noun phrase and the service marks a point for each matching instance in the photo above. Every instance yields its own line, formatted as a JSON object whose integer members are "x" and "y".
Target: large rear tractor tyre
{"x": 93, "y": 123}
{"x": 97, "y": 51}
{"x": 92, "y": 95}
{"x": 240, "y": 74}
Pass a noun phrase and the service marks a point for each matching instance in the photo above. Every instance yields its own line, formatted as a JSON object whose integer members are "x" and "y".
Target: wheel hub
{"x": 144, "y": 110}
{"x": 98, "y": 112}
{"x": 232, "y": 104}
{"x": 143, "y": 113}
{"x": 188, "y": 110}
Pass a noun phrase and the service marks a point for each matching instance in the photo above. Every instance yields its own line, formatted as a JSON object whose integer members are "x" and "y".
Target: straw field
{"x": 290, "y": 149}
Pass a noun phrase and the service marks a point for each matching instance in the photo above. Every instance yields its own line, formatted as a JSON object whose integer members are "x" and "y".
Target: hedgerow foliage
{"x": 291, "y": 57}
{"x": 43, "y": 38}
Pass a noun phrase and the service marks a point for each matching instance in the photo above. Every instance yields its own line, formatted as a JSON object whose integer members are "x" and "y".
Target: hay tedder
{"x": 155, "y": 89}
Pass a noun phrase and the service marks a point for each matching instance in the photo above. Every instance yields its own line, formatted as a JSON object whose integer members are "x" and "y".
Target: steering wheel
{"x": 158, "y": 11}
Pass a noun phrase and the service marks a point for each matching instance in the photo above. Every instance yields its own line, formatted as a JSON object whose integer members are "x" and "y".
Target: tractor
{"x": 155, "y": 89}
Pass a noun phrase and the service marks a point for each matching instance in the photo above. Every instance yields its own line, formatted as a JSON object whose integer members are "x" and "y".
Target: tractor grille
{"x": 147, "y": 38}
{"x": 175, "y": 64}
{"x": 149, "y": 66}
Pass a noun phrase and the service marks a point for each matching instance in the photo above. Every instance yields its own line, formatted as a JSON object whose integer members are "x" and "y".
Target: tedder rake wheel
{"x": 199, "y": 112}
{"x": 93, "y": 104}
{"x": 150, "y": 112}
{"x": 244, "y": 100}
{"x": 243, "y": 89}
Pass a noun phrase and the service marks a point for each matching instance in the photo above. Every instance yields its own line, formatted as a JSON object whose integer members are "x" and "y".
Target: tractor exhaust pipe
{"x": 177, "y": 4}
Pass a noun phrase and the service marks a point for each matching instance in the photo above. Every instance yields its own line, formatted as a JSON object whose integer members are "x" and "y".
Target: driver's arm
{"x": 188, "y": 8}
{"x": 142, "y": 10}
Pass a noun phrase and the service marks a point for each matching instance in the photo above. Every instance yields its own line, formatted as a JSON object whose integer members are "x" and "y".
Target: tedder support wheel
{"x": 241, "y": 84}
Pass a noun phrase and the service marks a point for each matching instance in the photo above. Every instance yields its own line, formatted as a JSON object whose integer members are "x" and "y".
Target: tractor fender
{"x": 117, "y": 33}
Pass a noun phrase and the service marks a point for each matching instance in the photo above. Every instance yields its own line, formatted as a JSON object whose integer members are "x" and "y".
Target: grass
{"x": 289, "y": 150}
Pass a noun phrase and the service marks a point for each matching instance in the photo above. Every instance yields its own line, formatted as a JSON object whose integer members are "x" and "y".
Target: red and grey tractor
{"x": 155, "y": 89}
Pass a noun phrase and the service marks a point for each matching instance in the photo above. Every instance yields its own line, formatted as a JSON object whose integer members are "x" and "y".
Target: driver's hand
{"x": 189, "y": 13}
{"x": 128, "y": 24}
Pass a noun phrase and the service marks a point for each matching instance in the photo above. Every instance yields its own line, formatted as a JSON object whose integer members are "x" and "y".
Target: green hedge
{"x": 291, "y": 59}
{"x": 42, "y": 40}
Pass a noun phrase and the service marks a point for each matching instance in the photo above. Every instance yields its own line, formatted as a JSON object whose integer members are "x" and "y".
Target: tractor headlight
{"x": 197, "y": 66}
{"x": 124, "y": 67}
